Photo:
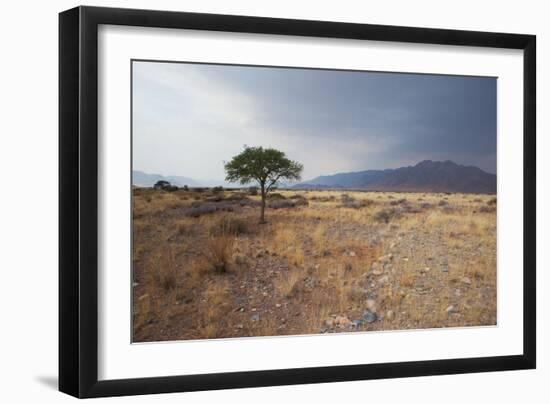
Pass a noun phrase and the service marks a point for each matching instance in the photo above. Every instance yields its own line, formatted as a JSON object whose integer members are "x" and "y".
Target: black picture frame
{"x": 78, "y": 201}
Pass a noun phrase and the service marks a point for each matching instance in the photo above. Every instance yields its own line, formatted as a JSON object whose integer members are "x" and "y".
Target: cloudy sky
{"x": 190, "y": 118}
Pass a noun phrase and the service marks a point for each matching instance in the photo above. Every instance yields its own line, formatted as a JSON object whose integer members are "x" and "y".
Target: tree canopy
{"x": 265, "y": 166}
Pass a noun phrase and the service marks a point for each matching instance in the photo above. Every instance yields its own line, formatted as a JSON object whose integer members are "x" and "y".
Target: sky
{"x": 188, "y": 119}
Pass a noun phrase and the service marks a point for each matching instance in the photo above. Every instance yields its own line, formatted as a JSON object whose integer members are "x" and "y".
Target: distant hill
{"x": 426, "y": 176}
{"x": 141, "y": 179}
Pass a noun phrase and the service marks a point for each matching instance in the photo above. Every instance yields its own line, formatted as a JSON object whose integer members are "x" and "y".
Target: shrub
{"x": 448, "y": 209}
{"x": 300, "y": 200}
{"x": 217, "y": 189}
{"x": 328, "y": 198}
{"x": 386, "y": 215}
{"x": 351, "y": 202}
{"x": 443, "y": 203}
{"x": 492, "y": 202}
{"x": 253, "y": 191}
{"x": 214, "y": 198}
{"x": 410, "y": 209}
{"x": 199, "y": 209}
{"x": 345, "y": 198}
{"x": 185, "y": 230}
{"x": 356, "y": 204}
{"x": 229, "y": 226}
{"x": 236, "y": 196}
{"x": 249, "y": 202}
{"x": 162, "y": 270}
{"x": 398, "y": 202}
{"x": 288, "y": 203}
{"x": 218, "y": 253}
{"x": 487, "y": 209}
{"x": 281, "y": 203}
{"x": 168, "y": 281}
{"x": 275, "y": 195}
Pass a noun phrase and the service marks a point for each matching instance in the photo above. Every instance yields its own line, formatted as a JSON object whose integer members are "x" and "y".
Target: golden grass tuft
{"x": 218, "y": 251}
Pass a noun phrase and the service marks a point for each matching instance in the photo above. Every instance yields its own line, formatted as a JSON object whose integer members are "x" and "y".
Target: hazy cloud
{"x": 189, "y": 118}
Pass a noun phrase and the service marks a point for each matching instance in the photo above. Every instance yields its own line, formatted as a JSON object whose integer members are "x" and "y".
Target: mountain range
{"x": 426, "y": 176}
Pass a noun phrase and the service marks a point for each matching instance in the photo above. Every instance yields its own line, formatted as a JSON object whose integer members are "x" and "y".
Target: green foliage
{"x": 264, "y": 166}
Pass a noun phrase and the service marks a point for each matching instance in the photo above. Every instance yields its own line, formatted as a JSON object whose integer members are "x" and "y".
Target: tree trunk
{"x": 262, "y": 214}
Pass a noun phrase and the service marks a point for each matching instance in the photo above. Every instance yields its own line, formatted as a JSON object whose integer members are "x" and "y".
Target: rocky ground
{"x": 360, "y": 262}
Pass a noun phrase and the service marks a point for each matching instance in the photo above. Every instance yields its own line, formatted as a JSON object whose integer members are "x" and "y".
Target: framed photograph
{"x": 250, "y": 201}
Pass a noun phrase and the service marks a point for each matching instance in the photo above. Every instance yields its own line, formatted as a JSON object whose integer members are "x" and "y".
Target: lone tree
{"x": 264, "y": 166}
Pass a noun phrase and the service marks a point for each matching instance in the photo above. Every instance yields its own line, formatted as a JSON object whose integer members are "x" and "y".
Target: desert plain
{"x": 326, "y": 261}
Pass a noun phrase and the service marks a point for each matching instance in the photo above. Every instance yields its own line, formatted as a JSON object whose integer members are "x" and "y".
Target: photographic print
{"x": 271, "y": 201}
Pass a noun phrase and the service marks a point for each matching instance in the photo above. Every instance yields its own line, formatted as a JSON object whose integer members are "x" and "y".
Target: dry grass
{"x": 288, "y": 284}
{"x": 218, "y": 251}
{"x": 316, "y": 266}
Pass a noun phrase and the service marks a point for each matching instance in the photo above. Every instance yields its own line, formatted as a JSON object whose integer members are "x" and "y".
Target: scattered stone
{"x": 458, "y": 292}
{"x": 255, "y": 317}
{"x": 253, "y": 309}
{"x": 240, "y": 326}
{"x": 329, "y": 323}
{"x": 357, "y": 323}
{"x": 278, "y": 305}
{"x": 145, "y": 296}
{"x": 451, "y": 309}
{"x": 405, "y": 259}
{"x": 357, "y": 293}
{"x": 371, "y": 305}
{"x": 389, "y": 315}
{"x": 384, "y": 279}
{"x": 445, "y": 269}
{"x": 310, "y": 282}
{"x": 466, "y": 280}
{"x": 135, "y": 284}
{"x": 352, "y": 254}
{"x": 342, "y": 321}
{"x": 385, "y": 258}
{"x": 369, "y": 317}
